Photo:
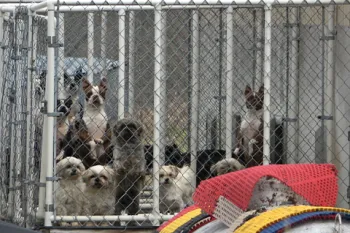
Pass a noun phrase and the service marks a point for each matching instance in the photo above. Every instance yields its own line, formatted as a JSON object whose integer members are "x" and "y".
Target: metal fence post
{"x": 121, "y": 67}
{"x": 229, "y": 82}
{"x": 195, "y": 91}
{"x": 267, "y": 83}
{"x": 50, "y": 85}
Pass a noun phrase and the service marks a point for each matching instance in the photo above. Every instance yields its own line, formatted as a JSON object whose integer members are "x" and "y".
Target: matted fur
{"x": 129, "y": 164}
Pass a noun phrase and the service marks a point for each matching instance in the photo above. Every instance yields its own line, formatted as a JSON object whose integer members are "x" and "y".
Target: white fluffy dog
{"x": 68, "y": 194}
{"x": 175, "y": 188}
{"x": 100, "y": 190}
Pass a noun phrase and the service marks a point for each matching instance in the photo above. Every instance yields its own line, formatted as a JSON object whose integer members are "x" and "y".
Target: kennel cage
{"x": 226, "y": 47}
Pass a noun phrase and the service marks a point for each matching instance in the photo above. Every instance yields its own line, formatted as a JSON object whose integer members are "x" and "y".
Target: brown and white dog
{"x": 251, "y": 129}
{"x": 95, "y": 116}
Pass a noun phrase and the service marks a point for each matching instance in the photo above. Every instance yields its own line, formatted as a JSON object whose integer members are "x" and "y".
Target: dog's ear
{"x": 213, "y": 170}
{"x": 248, "y": 91}
{"x": 81, "y": 167}
{"x": 103, "y": 87}
{"x": 175, "y": 170}
{"x": 261, "y": 91}
{"x": 110, "y": 171}
{"x": 140, "y": 130}
{"x": 85, "y": 176}
{"x": 79, "y": 74}
{"x": 86, "y": 85}
{"x": 65, "y": 78}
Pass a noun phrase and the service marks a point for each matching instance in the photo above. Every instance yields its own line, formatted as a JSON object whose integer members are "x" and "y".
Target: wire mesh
{"x": 105, "y": 65}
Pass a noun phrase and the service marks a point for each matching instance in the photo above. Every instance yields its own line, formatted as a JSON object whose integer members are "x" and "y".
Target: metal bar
{"x": 50, "y": 85}
{"x": 103, "y": 43}
{"x": 267, "y": 84}
{"x": 159, "y": 85}
{"x": 131, "y": 62}
{"x": 323, "y": 86}
{"x": 293, "y": 111}
{"x": 29, "y": 145}
{"x": 195, "y": 84}
{"x": 41, "y": 208}
{"x": 82, "y": 8}
{"x": 229, "y": 82}
{"x": 112, "y": 218}
{"x": 254, "y": 48}
{"x": 37, "y": 6}
{"x": 90, "y": 48}
{"x": 12, "y": 129}
{"x": 287, "y": 96}
{"x": 330, "y": 111}
{"x": 121, "y": 67}
{"x": 60, "y": 53}
{"x": 221, "y": 38}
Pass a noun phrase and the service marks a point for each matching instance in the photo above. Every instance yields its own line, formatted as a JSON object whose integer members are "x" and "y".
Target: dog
{"x": 71, "y": 186}
{"x": 71, "y": 90}
{"x": 225, "y": 166}
{"x": 250, "y": 137}
{"x": 173, "y": 156}
{"x": 63, "y": 121}
{"x": 129, "y": 164}
{"x": 100, "y": 190}
{"x": 79, "y": 143}
{"x": 175, "y": 188}
{"x": 94, "y": 114}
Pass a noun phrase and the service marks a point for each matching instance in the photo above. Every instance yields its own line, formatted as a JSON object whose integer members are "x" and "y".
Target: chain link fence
{"x": 149, "y": 103}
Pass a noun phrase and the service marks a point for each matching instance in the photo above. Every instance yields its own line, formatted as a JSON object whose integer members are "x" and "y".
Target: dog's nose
{"x": 97, "y": 180}
{"x": 72, "y": 86}
{"x": 74, "y": 171}
{"x": 166, "y": 180}
{"x": 62, "y": 109}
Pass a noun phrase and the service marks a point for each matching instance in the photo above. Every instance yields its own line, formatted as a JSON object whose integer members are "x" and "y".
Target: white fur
{"x": 177, "y": 193}
{"x": 250, "y": 127}
{"x": 183, "y": 183}
{"x": 70, "y": 188}
{"x": 95, "y": 117}
{"x": 100, "y": 201}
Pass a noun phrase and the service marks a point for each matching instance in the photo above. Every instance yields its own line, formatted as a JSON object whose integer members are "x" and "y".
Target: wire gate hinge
{"x": 325, "y": 117}
{"x": 52, "y": 42}
{"x": 43, "y": 110}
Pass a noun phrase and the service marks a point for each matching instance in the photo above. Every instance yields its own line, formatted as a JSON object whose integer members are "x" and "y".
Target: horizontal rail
{"x": 41, "y": 5}
{"x": 111, "y": 218}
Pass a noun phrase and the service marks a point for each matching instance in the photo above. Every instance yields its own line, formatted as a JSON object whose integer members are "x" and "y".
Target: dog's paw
{"x": 75, "y": 224}
{"x": 253, "y": 141}
{"x": 236, "y": 151}
{"x": 98, "y": 141}
{"x": 90, "y": 224}
{"x": 65, "y": 224}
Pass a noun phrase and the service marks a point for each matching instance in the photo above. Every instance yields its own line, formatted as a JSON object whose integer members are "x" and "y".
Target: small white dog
{"x": 100, "y": 190}
{"x": 175, "y": 188}
{"x": 68, "y": 194}
{"x": 225, "y": 166}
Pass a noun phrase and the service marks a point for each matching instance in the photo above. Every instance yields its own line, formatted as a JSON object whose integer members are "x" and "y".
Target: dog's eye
{"x": 69, "y": 166}
{"x": 92, "y": 176}
{"x": 161, "y": 175}
{"x": 89, "y": 94}
{"x": 104, "y": 177}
